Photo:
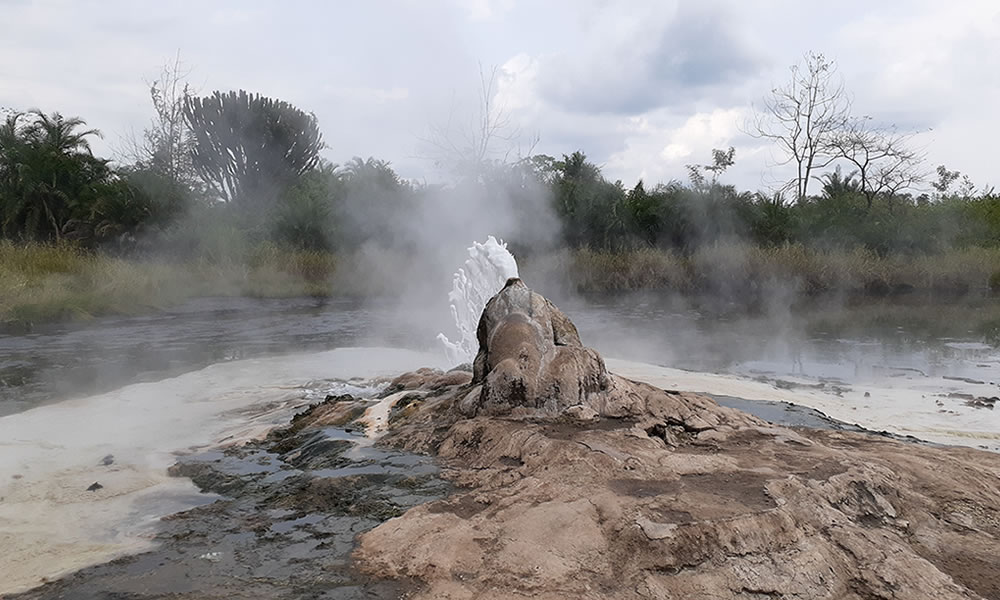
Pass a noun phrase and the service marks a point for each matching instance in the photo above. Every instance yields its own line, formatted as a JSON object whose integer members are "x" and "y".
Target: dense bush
{"x": 52, "y": 188}
{"x": 601, "y": 215}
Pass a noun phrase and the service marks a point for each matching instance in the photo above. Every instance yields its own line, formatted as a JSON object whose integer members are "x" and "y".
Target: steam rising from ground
{"x": 407, "y": 248}
{"x": 487, "y": 269}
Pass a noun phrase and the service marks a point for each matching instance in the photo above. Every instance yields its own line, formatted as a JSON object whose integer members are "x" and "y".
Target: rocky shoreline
{"x": 540, "y": 474}
{"x": 614, "y": 489}
{"x": 287, "y": 511}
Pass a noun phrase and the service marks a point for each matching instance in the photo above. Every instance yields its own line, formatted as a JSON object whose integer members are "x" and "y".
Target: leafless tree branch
{"x": 884, "y": 161}
{"x": 801, "y": 116}
{"x": 489, "y": 135}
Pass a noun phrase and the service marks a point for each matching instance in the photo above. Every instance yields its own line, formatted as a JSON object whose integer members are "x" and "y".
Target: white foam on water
{"x": 50, "y": 524}
{"x": 487, "y": 269}
{"x": 916, "y": 405}
{"x": 971, "y": 346}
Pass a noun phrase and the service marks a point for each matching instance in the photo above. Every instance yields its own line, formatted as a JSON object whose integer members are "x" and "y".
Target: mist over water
{"x": 869, "y": 340}
{"x": 262, "y": 360}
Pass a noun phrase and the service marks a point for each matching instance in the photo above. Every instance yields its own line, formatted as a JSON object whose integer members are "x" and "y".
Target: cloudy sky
{"x": 643, "y": 88}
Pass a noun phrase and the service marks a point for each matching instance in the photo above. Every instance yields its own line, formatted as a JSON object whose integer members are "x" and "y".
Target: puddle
{"x": 794, "y": 415}
{"x": 785, "y": 414}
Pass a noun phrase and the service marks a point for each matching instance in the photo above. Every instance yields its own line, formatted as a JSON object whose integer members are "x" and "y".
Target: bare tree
{"x": 884, "y": 162}
{"x": 468, "y": 145}
{"x": 165, "y": 145}
{"x": 802, "y": 116}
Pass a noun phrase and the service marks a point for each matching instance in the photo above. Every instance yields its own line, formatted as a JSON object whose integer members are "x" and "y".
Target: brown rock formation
{"x": 606, "y": 488}
{"x": 531, "y": 361}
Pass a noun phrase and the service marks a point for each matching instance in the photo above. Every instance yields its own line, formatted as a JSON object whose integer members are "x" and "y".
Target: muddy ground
{"x": 516, "y": 506}
{"x": 284, "y": 525}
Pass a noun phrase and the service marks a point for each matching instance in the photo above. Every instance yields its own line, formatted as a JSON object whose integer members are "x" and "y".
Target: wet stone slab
{"x": 794, "y": 415}
{"x": 283, "y": 526}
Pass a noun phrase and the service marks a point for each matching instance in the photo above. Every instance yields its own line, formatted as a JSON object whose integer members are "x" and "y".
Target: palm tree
{"x": 371, "y": 172}
{"x": 58, "y": 134}
{"x": 836, "y": 185}
{"x": 46, "y": 168}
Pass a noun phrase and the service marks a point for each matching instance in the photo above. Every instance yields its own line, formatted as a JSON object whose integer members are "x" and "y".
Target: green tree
{"x": 48, "y": 176}
{"x": 375, "y": 200}
{"x": 644, "y": 210}
{"x": 836, "y": 184}
{"x": 773, "y": 221}
{"x": 248, "y": 149}
{"x": 305, "y": 216}
{"x": 944, "y": 180}
{"x": 721, "y": 160}
{"x": 588, "y": 204}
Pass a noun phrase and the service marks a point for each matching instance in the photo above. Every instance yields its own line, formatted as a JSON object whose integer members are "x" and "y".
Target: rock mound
{"x": 531, "y": 358}
{"x": 575, "y": 483}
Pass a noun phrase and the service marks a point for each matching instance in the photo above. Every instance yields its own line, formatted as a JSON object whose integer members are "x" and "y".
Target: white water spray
{"x": 487, "y": 269}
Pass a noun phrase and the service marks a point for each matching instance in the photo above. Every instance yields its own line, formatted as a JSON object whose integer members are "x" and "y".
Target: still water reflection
{"x": 851, "y": 343}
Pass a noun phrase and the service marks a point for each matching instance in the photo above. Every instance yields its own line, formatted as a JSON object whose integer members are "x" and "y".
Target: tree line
{"x": 248, "y": 167}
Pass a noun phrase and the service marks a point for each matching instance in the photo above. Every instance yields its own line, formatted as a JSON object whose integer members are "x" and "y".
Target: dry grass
{"x": 45, "y": 282}
{"x": 613, "y": 271}
{"x": 42, "y": 282}
{"x": 738, "y": 267}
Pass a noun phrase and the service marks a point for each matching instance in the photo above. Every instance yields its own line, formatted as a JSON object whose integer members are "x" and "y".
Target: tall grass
{"x": 40, "y": 282}
{"x": 56, "y": 282}
{"x": 615, "y": 271}
{"x": 736, "y": 268}
{"x": 46, "y": 282}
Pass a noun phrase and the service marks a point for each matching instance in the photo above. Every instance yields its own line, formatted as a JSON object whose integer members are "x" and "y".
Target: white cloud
{"x": 642, "y": 87}
{"x": 659, "y": 145}
{"x": 482, "y": 10}
{"x": 517, "y": 86}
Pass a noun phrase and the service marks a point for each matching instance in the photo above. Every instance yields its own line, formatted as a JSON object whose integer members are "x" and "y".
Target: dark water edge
{"x": 286, "y": 515}
{"x": 283, "y": 526}
{"x": 786, "y": 414}
{"x": 830, "y": 337}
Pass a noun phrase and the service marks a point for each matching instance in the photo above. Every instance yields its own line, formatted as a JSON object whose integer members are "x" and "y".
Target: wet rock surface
{"x": 567, "y": 481}
{"x": 284, "y": 524}
{"x": 531, "y": 359}
{"x": 628, "y": 491}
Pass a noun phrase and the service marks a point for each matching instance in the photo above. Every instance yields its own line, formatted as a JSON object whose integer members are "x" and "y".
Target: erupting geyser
{"x": 487, "y": 269}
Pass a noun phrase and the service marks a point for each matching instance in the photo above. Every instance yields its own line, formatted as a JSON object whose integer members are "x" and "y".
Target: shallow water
{"x": 54, "y": 519}
{"x": 265, "y": 535}
{"x": 865, "y": 341}
{"x": 899, "y": 372}
{"x": 79, "y": 359}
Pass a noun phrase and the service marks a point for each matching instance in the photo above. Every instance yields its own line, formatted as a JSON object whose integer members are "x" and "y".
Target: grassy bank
{"x": 41, "y": 283}
{"x": 738, "y": 269}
